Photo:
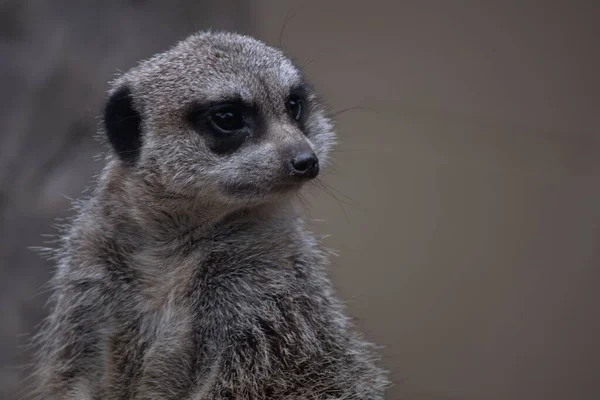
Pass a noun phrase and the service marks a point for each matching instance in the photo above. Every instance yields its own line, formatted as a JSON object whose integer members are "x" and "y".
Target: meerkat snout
{"x": 305, "y": 165}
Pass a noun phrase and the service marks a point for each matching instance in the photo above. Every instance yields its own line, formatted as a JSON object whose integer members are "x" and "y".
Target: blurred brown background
{"x": 467, "y": 213}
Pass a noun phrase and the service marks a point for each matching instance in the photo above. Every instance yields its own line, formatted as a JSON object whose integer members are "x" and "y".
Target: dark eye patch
{"x": 228, "y": 120}
{"x": 297, "y": 105}
{"x": 225, "y": 124}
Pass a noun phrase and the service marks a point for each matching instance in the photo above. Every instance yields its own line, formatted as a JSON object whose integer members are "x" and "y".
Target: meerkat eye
{"x": 228, "y": 120}
{"x": 295, "y": 106}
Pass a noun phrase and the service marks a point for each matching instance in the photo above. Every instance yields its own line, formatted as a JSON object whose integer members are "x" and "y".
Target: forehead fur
{"x": 211, "y": 67}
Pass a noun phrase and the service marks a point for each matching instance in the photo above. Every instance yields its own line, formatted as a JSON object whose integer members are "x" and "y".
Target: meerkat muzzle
{"x": 305, "y": 165}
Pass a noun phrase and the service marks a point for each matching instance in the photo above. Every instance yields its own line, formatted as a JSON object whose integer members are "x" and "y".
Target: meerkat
{"x": 189, "y": 273}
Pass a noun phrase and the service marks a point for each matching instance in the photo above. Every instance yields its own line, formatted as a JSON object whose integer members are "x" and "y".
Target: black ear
{"x": 123, "y": 125}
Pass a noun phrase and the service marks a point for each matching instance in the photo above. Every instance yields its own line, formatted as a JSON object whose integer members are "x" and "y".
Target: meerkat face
{"x": 221, "y": 117}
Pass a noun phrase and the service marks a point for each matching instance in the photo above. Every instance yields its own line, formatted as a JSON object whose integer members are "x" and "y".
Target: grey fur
{"x": 168, "y": 286}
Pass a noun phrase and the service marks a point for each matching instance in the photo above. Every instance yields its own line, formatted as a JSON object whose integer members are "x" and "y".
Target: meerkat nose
{"x": 305, "y": 165}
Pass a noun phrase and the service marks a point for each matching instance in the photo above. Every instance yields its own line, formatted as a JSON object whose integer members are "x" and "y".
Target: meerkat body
{"x": 188, "y": 274}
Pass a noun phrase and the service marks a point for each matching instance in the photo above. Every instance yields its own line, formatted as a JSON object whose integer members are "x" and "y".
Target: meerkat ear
{"x": 122, "y": 123}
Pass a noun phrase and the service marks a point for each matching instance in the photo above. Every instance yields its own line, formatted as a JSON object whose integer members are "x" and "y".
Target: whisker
{"x": 348, "y": 201}
{"x": 355, "y": 108}
{"x": 340, "y": 203}
{"x": 304, "y": 202}
{"x": 315, "y": 59}
{"x": 287, "y": 19}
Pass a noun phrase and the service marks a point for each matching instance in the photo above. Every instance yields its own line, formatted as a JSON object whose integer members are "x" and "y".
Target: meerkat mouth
{"x": 245, "y": 189}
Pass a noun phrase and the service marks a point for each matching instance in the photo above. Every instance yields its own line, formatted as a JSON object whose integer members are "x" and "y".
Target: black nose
{"x": 305, "y": 165}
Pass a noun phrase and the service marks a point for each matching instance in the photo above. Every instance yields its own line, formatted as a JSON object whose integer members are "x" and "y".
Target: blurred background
{"x": 464, "y": 199}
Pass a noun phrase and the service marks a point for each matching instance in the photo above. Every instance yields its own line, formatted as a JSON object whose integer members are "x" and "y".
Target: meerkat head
{"x": 219, "y": 117}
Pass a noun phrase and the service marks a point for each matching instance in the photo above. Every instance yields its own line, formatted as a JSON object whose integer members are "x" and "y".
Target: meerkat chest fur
{"x": 251, "y": 301}
{"x": 188, "y": 274}
{"x": 235, "y": 271}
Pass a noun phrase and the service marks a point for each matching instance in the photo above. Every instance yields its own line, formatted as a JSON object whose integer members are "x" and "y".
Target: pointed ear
{"x": 122, "y": 123}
